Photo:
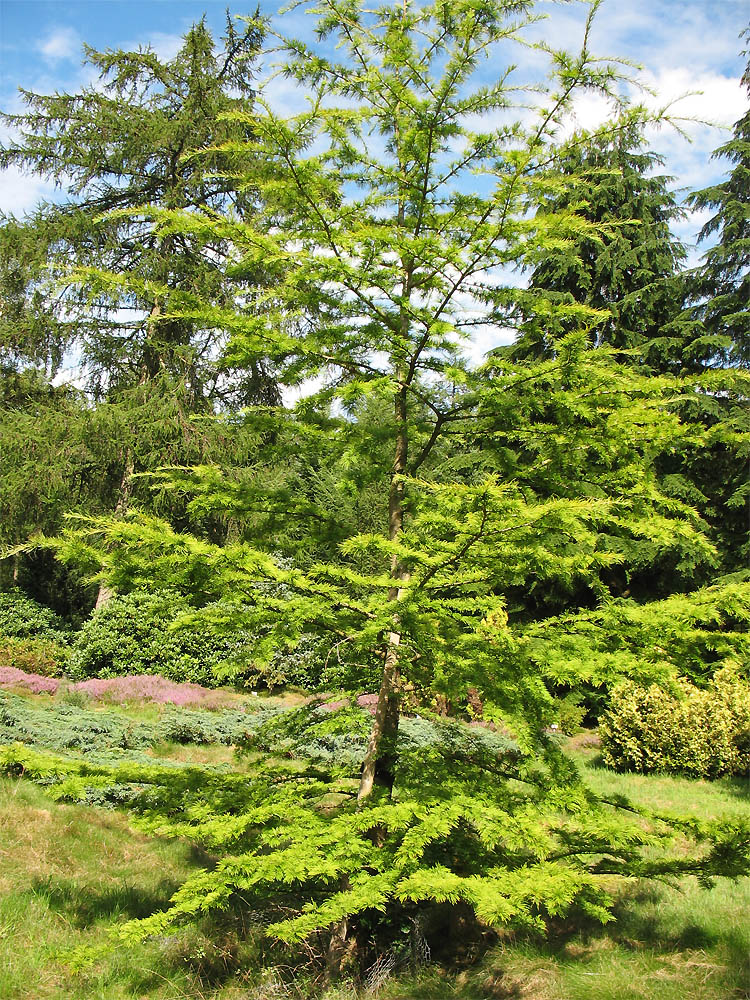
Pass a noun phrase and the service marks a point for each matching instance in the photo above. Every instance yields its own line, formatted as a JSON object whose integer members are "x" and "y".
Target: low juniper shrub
{"x": 72, "y": 727}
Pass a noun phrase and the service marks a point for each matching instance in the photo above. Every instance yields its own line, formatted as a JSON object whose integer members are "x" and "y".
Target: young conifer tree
{"x": 389, "y": 207}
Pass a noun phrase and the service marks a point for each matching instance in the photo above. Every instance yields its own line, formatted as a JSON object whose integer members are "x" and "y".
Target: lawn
{"x": 68, "y": 873}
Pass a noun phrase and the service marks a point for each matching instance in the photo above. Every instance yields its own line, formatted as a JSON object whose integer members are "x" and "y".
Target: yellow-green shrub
{"x": 700, "y": 732}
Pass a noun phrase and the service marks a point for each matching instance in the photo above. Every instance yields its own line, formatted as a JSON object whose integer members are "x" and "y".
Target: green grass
{"x": 70, "y": 873}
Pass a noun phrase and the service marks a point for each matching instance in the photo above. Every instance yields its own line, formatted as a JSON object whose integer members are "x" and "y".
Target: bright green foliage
{"x": 135, "y": 634}
{"x": 572, "y": 503}
{"x": 514, "y": 839}
{"x": 703, "y": 733}
{"x": 687, "y": 634}
{"x": 384, "y": 219}
{"x": 581, "y": 425}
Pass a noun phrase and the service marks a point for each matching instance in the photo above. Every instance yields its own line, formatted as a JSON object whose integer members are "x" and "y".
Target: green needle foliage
{"x": 724, "y": 279}
{"x": 117, "y": 149}
{"x": 387, "y": 209}
{"x": 628, "y": 270}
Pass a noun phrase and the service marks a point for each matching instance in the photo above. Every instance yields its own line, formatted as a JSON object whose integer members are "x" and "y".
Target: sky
{"x": 682, "y": 46}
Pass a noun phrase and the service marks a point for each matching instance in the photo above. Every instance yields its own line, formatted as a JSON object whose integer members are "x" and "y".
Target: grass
{"x": 70, "y": 873}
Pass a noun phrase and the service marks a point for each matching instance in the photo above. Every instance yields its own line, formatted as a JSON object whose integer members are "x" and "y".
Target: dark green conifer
{"x": 723, "y": 281}
{"x": 627, "y": 269}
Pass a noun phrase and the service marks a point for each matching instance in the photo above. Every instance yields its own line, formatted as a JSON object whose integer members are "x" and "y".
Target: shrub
{"x": 69, "y": 727}
{"x": 37, "y": 656}
{"x": 699, "y": 732}
{"x": 65, "y": 726}
{"x": 135, "y": 634}
{"x": 570, "y": 713}
{"x": 22, "y": 618}
{"x": 226, "y": 727}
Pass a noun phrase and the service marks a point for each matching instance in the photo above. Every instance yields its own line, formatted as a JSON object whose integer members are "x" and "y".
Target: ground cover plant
{"x": 62, "y": 725}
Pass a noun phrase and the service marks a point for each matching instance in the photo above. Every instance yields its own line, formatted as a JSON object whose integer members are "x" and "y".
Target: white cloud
{"x": 707, "y": 96}
{"x": 166, "y": 46}
{"x": 61, "y": 43}
{"x": 19, "y": 192}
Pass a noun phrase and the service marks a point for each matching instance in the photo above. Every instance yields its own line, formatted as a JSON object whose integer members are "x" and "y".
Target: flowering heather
{"x": 150, "y": 687}
{"x": 13, "y": 677}
{"x": 367, "y": 701}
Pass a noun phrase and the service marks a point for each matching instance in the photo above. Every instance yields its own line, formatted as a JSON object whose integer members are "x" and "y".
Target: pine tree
{"x": 384, "y": 214}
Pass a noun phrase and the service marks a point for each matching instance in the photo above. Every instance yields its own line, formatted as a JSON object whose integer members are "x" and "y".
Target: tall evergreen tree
{"x": 91, "y": 274}
{"x": 723, "y": 281}
{"x": 626, "y": 272}
{"x": 121, "y": 149}
{"x": 714, "y": 476}
{"x": 383, "y": 240}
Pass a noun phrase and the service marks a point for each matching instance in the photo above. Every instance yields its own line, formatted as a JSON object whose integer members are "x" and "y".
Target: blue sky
{"x": 682, "y": 45}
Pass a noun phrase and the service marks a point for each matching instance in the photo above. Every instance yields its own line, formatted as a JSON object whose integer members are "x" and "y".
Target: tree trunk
{"x": 380, "y": 758}
{"x": 149, "y": 361}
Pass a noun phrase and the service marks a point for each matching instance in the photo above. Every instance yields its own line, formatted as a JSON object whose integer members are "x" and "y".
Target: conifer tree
{"x": 118, "y": 149}
{"x": 387, "y": 208}
{"x": 628, "y": 269}
{"x": 723, "y": 281}
{"x": 714, "y": 476}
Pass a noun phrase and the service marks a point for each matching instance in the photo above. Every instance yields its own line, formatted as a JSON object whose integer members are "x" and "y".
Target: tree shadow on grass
{"x": 738, "y": 787}
{"x": 84, "y": 906}
{"x": 639, "y": 925}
